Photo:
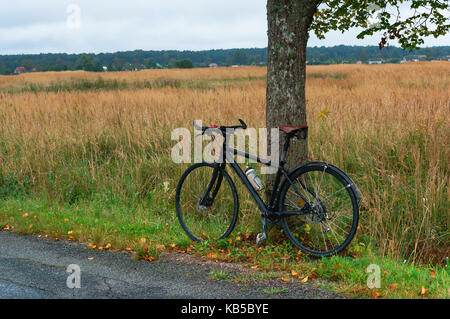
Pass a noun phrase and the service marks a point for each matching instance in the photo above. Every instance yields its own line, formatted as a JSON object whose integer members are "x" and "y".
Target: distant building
{"x": 448, "y": 58}
{"x": 137, "y": 68}
{"x": 413, "y": 58}
{"x": 20, "y": 70}
{"x": 213, "y": 65}
{"x": 376, "y": 61}
{"x": 105, "y": 69}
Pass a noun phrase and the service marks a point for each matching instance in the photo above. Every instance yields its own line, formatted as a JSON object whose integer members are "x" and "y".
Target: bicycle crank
{"x": 262, "y": 237}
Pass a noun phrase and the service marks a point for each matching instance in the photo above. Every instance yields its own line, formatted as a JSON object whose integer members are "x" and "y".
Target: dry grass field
{"x": 87, "y": 154}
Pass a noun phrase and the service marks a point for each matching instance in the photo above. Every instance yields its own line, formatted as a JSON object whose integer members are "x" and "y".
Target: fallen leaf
{"x": 424, "y": 291}
{"x": 70, "y": 232}
{"x": 212, "y": 256}
{"x": 433, "y": 274}
{"x": 294, "y": 273}
{"x": 285, "y": 279}
{"x": 25, "y": 215}
{"x": 90, "y": 258}
{"x": 148, "y": 258}
{"x": 305, "y": 279}
{"x": 236, "y": 280}
{"x": 254, "y": 267}
{"x": 108, "y": 246}
{"x": 230, "y": 241}
{"x": 143, "y": 240}
{"x": 393, "y": 286}
{"x": 66, "y": 219}
{"x": 238, "y": 238}
{"x": 376, "y": 295}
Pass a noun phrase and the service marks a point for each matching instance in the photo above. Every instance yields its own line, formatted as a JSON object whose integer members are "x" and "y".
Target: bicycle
{"x": 316, "y": 203}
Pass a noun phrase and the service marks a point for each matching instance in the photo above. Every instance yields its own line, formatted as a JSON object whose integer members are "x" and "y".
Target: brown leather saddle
{"x": 300, "y": 132}
{"x": 292, "y": 129}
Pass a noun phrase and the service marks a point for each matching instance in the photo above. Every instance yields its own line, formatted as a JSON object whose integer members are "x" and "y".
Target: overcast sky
{"x": 41, "y": 26}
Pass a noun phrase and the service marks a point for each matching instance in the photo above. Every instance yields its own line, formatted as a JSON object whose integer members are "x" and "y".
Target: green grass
{"x": 216, "y": 274}
{"x": 144, "y": 229}
{"x": 334, "y": 76}
{"x": 74, "y": 85}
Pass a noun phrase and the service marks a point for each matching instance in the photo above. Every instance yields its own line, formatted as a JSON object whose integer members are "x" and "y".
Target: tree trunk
{"x": 288, "y": 30}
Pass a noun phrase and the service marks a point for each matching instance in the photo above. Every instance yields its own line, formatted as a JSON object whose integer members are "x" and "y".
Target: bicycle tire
{"x": 189, "y": 223}
{"x": 302, "y": 223}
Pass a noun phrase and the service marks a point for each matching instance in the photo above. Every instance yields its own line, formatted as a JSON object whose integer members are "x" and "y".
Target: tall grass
{"x": 387, "y": 126}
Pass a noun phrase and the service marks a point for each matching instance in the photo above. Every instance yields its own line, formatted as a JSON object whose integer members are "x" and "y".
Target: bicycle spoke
{"x": 343, "y": 188}
{"x": 321, "y": 179}
{"x": 306, "y": 192}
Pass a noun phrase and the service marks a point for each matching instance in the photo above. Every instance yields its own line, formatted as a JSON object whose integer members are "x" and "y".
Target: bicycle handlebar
{"x": 222, "y": 128}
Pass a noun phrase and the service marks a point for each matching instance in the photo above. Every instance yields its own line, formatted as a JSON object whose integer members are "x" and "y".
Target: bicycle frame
{"x": 267, "y": 210}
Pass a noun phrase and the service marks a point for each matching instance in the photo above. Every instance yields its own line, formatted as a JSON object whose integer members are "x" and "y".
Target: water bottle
{"x": 254, "y": 179}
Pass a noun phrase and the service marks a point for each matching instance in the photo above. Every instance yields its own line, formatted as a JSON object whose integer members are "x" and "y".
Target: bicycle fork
{"x": 208, "y": 199}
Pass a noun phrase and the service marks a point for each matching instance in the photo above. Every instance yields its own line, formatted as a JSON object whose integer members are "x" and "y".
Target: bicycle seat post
{"x": 285, "y": 149}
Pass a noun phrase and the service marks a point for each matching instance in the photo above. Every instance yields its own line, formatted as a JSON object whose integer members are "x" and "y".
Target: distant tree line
{"x": 140, "y": 59}
{"x": 352, "y": 54}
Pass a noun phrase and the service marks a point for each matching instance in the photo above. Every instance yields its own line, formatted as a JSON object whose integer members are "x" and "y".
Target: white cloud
{"x": 30, "y": 26}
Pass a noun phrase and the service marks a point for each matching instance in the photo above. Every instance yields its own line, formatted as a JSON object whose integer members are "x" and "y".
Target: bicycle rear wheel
{"x": 207, "y": 209}
{"x": 333, "y": 213}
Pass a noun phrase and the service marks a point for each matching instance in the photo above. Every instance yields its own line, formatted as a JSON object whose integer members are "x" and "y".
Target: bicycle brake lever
{"x": 244, "y": 126}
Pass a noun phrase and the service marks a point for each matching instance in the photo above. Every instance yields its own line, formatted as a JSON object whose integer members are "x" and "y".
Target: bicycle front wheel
{"x": 332, "y": 215}
{"x": 207, "y": 207}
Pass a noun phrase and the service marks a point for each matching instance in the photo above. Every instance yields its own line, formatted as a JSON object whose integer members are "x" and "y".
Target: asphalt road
{"x": 32, "y": 267}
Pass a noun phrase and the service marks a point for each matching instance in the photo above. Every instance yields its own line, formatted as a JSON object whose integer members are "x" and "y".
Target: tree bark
{"x": 288, "y": 31}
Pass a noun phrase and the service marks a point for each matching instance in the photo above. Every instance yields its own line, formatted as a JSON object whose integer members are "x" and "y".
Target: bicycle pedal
{"x": 261, "y": 239}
